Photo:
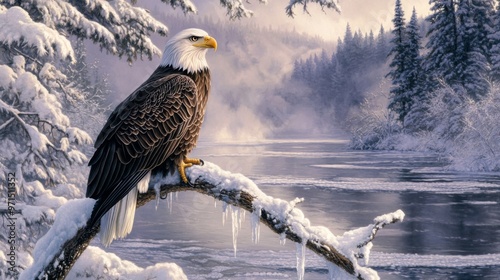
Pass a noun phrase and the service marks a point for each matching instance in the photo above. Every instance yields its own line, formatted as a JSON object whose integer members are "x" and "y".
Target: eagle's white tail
{"x": 118, "y": 221}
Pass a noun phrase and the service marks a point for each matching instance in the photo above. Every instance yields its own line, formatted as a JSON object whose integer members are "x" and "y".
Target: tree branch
{"x": 280, "y": 216}
{"x": 244, "y": 200}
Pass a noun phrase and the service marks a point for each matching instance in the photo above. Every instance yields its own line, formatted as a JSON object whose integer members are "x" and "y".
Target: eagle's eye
{"x": 193, "y": 38}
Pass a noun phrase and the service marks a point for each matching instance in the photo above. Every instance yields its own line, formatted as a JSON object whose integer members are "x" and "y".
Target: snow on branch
{"x": 56, "y": 253}
{"x": 116, "y": 26}
{"x": 329, "y": 4}
{"x": 236, "y": 8}
{"x": 19, "y": 28}
{"x": 186, "y": 5}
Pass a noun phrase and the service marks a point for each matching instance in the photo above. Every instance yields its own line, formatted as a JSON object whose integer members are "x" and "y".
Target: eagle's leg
{"x": 187, "y": 162}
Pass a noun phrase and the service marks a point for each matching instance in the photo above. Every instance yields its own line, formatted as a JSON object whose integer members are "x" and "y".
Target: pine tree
{"x": 483, "y": 12}
{"x": 414, "y": 73}
{"x": 442, "y": 45}
{"x": 382, "y": 46}
{"x": 370, "y": 47}
{"x": 494, "y": 37}
{"x": 91, "y": 90}
{"x": 414, "y": 76}
{"x": 472, "y": 65}
{"x": 399, "y": 99}
{"x": 322, "y": 76}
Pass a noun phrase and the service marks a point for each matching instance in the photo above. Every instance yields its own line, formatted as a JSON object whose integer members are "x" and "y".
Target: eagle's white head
{"x": 186, "y": 50}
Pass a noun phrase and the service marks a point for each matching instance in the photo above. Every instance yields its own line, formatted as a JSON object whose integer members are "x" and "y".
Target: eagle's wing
{"x": 140, "y": 134}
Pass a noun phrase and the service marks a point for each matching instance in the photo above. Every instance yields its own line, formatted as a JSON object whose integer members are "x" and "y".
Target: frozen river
{"x": 451, "y": 229}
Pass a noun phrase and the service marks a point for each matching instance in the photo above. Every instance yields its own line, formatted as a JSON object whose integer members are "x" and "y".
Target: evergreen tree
{"x": 41, "y": 144}
{"x": 382, "y": 46}
{"x": 482, "y": 14}
{"x": 494, "y": 37}
{"x": 414, "y": 73}
{"x": 399, "y": 100}
{"x": 414, "y": 76}
{"x": 472, "y": 47}
{"x": 341, "y": 82}
{"x": 92, "y": 89}
{"x": 370, "y": 47}
{"x": 442, "y": 45}
{"x": 323, "y": 76}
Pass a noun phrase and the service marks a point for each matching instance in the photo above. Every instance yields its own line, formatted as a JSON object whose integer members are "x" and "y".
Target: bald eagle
{"x": 150, "y": 132}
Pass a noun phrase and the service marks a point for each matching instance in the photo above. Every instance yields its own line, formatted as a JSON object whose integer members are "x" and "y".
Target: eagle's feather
{"x": 142, "y": 133}
{"x": 149, "y": 132}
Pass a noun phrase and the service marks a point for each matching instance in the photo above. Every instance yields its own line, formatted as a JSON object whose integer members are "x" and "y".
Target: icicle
{"x": 236, "y": 221}
{"x": 243, "y": 217}
{"x": 255, "y": 222}
{"x": 157, "y": 192}
{"x": 224, "y": 212}
{"x": 170, "y": 202}
{"x": 301, "y": 259}
{"x": 282, "y": 238}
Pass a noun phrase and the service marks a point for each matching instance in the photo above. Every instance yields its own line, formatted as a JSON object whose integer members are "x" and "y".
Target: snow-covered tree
{"x": 383, "y": 48}
{"x": 39, "y": 141}
{"x": 414, "y": 77}
{"x": 371, "y": 47}
{"x": 476, "y": 148}
{"x": 339, "y": 83}
{"x": 472, "y": 66}
{"x": 86, "y": 109}
{"x": 494, "y": 37}
{"x": 442, "y": 44}
{"x": 399, "y": 100}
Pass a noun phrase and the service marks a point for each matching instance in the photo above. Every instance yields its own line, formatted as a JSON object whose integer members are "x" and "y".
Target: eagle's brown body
{"x": 151, "y": 131}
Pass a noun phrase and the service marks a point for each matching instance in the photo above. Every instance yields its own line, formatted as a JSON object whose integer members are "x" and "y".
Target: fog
{"x": 251, "y": 62}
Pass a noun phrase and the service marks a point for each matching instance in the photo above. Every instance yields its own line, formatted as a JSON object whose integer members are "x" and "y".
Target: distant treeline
{"x": 340, "y": 80}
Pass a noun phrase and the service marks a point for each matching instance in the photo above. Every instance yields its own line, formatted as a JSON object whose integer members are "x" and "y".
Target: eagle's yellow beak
{"x": 208, "y": 42}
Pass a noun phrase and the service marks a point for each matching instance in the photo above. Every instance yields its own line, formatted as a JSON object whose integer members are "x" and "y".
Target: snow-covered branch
{"x": 329, "y": 4}
{"x": 236, "y": 9}
{"x": 71, "y": 235}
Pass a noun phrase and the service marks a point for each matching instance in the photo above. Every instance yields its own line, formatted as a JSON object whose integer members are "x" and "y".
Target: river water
{"x": 451, "y": 229}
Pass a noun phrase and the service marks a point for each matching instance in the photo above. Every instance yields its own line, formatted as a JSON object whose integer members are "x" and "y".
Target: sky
{"x": 360, "y": 14}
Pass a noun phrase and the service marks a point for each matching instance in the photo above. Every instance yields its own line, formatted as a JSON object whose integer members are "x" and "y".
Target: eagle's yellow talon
{"x": 195, "y": 161}
{"x": 187, "y": 162}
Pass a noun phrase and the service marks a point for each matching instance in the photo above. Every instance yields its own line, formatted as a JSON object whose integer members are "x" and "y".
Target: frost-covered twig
{"x": 380, "y": 222}
{"x": 329, "y": 4}
{"x": 6, "y": 123}
{"x": 58, "y": 252}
